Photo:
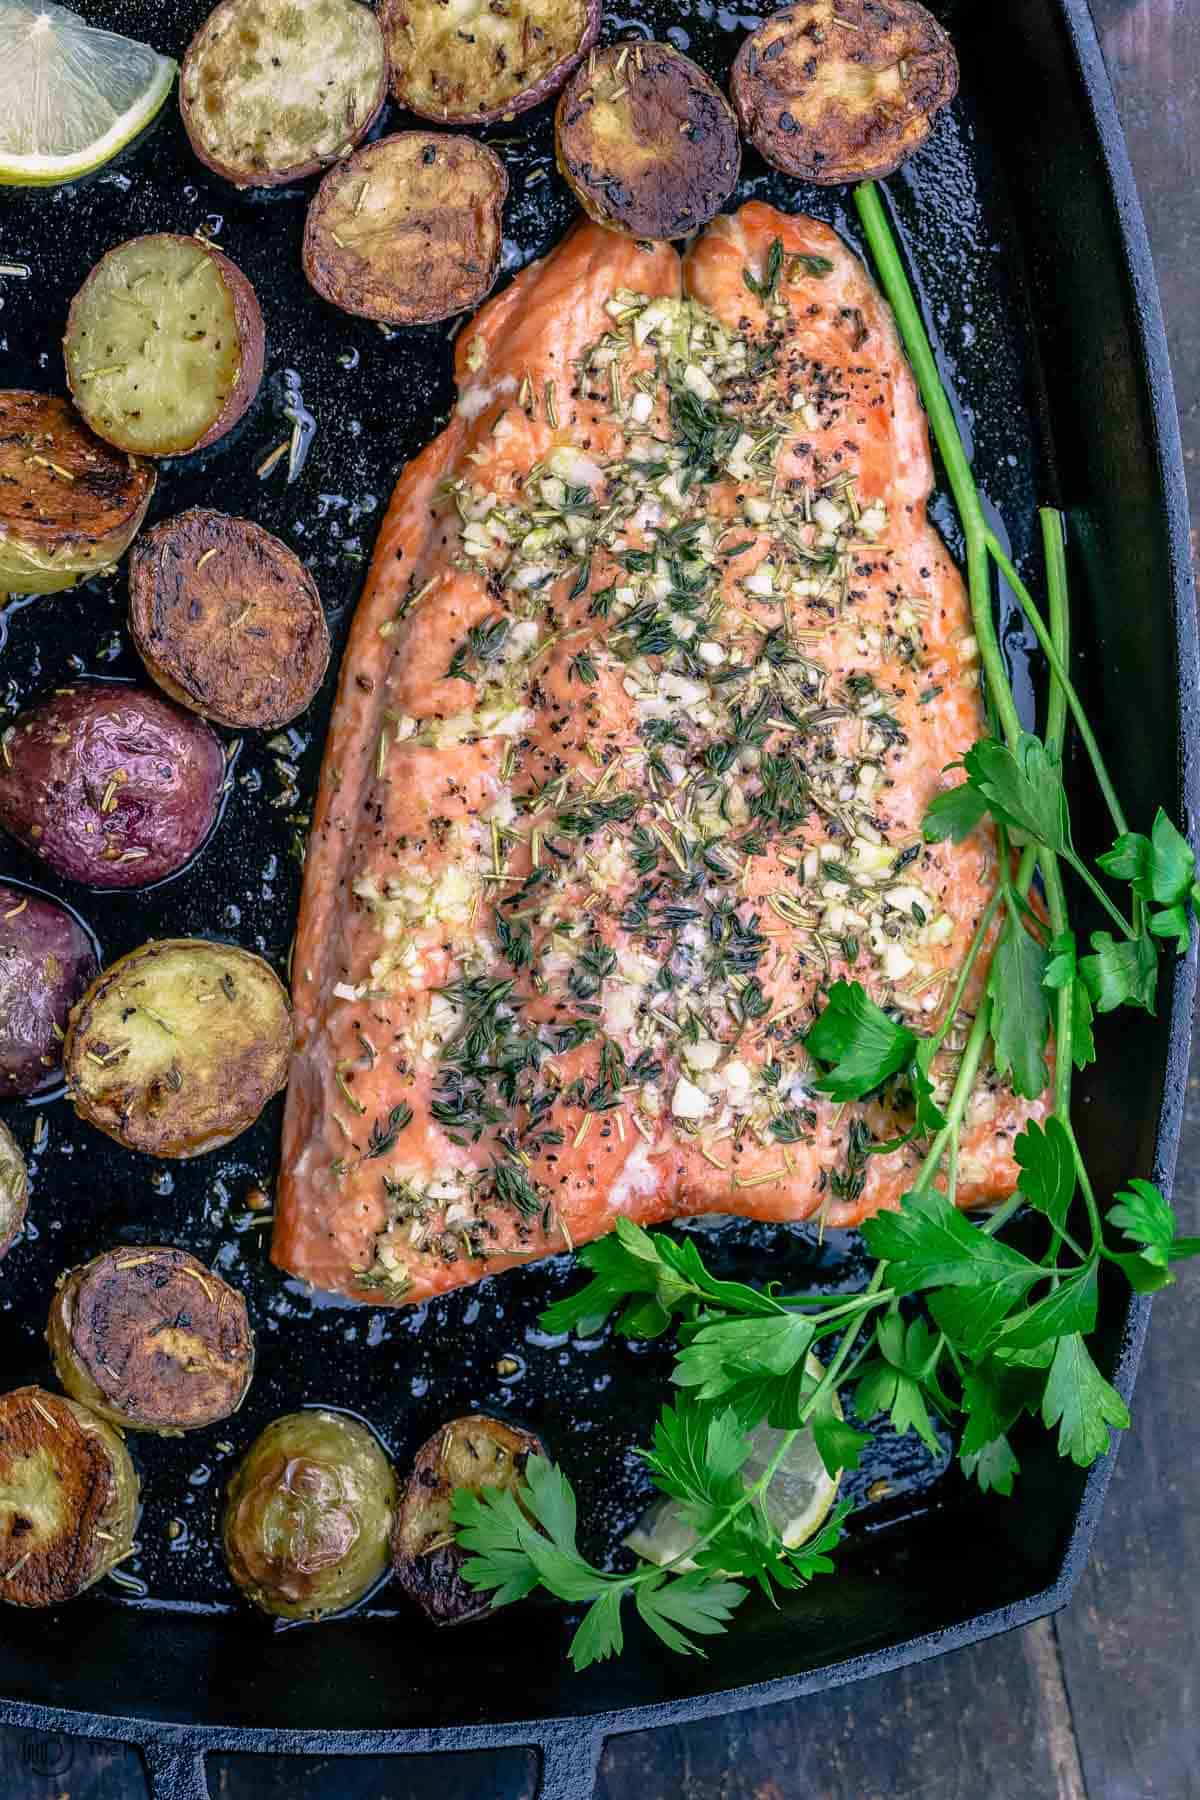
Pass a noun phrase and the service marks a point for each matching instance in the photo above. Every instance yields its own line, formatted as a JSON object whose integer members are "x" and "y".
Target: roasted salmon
{"x": 658, "y": 665}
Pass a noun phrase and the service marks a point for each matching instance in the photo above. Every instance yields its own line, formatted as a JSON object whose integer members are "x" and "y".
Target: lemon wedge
{"x": 798, "y": 1497}
{"x": 71, "y": 96}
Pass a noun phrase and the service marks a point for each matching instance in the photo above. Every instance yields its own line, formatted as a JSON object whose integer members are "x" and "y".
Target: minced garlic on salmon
{"x": 658, "y": 667}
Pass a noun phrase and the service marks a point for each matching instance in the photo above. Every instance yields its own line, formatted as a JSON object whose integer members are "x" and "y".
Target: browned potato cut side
{"x": 479, "y": 60}
{"x": 69, "y": 503}
{"x": 271, "y": 91}
{"x": 68, "y": 1498}
{"x": 227, "y": 620}
{"x": 407, "y": 230}
{"x": 843, "y": 90}
{"x": 647, "y": 143}
{"x": 309, "y": 1515}
{"x": 178, "y": 1046}
{"x": 14, "y": 1190}
{"x": 164, "y": 345}
{"x": 472, "y": 1452}
{"x": 151, "y": 1340}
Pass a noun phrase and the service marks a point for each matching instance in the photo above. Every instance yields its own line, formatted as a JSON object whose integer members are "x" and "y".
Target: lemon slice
{"x": 798, "y": 1498}
{"x": 71, "y": 96}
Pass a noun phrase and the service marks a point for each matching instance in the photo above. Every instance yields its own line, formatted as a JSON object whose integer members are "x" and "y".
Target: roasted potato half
{"x": 69, "y": 503}
{"x": 481, "y": 60}
{"x": 164, "y": 345}
{"x": 14, "y": 1190}
{"x": 647, "y": 143}
{"x": 309, "y": 1512}
{"x": 46, "y": 961}
{"x": 271, "y": 91}
{"x": 227, "y": 620}
{"x": 110, "y": 784}
{"x": 68, "y": 1498}
{"x": 472, "y": 1452}
{"x": 407, "y": 230}
{"x": 151, "y": 1340}
{"x": 843, "y": 90}
{"x": 178, "y": 1046}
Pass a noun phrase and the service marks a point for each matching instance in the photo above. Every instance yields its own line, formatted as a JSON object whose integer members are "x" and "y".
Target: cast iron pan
{"x": 1024, "y": 231}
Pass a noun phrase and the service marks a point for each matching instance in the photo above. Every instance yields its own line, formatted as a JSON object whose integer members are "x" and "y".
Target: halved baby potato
{"x": 164, "y": 345}
{"x": 177, "y": 1047}
{"x": 473, "y": 61}
{"x": 151, "y": 1340}
{"x": 407, "y": 230}
{"x": 69, "y": 503}
{"x": 476, "y": 1451}
{"x": 68, "y": 1498}
{"x": 271, "y": 90}
{"x": 14, "y": 1190}
{"x": 648, "y": 144}
{"x": 227, "y": 619}
{"x": 843, "y": 90}
{"x": 309, "y": 1514}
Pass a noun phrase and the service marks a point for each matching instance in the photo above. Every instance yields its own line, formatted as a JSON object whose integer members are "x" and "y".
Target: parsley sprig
{"x": 957, "y": 1324}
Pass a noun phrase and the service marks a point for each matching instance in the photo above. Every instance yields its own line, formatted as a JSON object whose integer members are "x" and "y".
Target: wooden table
{"x": 1099, "y": 1703}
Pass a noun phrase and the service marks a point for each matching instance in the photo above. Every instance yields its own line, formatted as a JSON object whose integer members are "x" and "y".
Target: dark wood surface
{"x": 1101, "y": 1702}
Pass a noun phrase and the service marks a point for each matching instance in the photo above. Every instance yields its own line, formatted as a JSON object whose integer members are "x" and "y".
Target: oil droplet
{"x": 162, "y": 1181}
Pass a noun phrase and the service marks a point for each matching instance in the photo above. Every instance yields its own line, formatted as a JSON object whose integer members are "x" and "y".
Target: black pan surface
{"x": 1003, "y": 212}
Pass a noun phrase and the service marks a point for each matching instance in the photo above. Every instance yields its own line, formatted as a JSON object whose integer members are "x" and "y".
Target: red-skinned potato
{"x": 46, "y": 962}
{"x": 482, "y": 60}
{"x": 176, "y": 368}
{"x": 271, "y": 91}
{"x": 110, "y": 785}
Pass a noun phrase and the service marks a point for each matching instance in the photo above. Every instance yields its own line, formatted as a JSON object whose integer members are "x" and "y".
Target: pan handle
{"x": 175, "y": 1773}
{"x": 570, "y": 1758}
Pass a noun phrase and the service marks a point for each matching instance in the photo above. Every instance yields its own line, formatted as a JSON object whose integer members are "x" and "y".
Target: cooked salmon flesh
{"x": 658, "y": 666}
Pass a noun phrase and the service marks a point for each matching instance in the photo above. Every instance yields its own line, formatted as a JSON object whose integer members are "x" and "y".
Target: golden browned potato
{"x": 177, "y": 1047}
{"x": 309, "y": 1512}
{"x": 843, "y": 90}
{"x": 227, "y": 619}
{"x": 647, "y": 143}
{"x": 480, "y": 60}
{"x": 68, "y": 1498}
{"x": 69, "y": 503}
{"x": 473, "y": 1452}
{"x": 271, "y": 90}
{"x": 407, "y": 230}
{"x": 14, "y": 1190}
{"x": 164, "y": 345}
{"x": 151, "y": 1340}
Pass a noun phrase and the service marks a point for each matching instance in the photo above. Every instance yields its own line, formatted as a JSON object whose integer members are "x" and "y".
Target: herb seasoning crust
{"x": 659, "y": 666}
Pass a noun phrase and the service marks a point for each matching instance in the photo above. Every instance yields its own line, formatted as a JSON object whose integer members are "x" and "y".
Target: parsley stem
{"x": 1058, "y": 667}
{"x": 1054, "y": 546}
{"x": 1089, "y": 880}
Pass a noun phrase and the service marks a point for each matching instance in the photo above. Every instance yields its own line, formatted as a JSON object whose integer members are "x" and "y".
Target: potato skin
{"x": 68, "y": 1498}
{"x": 46, "y": 961}
{"x": 227, "y": 620}
{"x": 308, "y": 1516}
{"x": 248, "y": 324}
{"x": 14, "y": 1190}
{"x": 70, "y": 505}
{"x": 110, "y": 785}
{"x": 646, "y": 142}
{"x": 151, "y": 1340}
{"x": 429, "y": 216}
{"x": 834, "y": 102}
{"x": 474, "y": 1451}
{"x": 177, "y": 1047}
{"x": 440, "y": 69}
{"x": 219, "y": 59}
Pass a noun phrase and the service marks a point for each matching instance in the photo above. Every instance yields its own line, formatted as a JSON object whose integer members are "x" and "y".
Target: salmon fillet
{"x": 658, "y": 666}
